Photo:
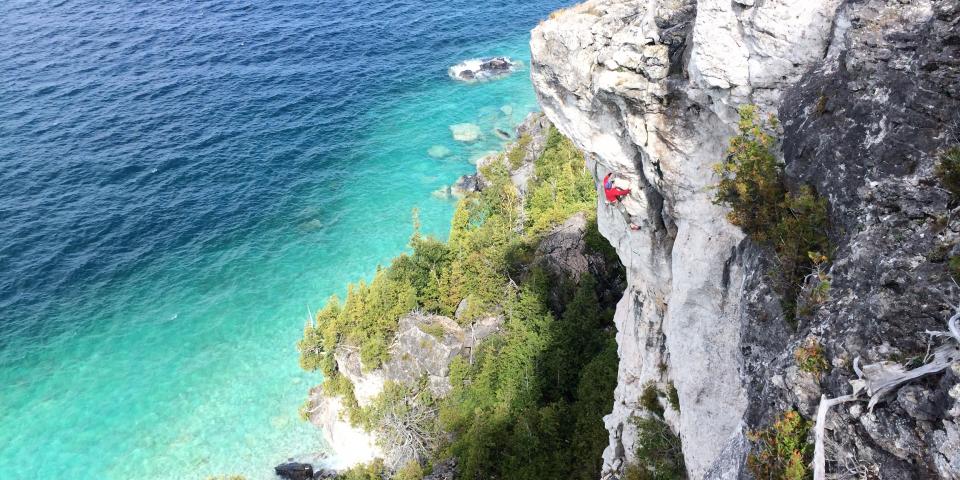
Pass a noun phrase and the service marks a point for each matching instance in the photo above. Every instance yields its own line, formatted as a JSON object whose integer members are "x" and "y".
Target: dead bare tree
{"x": 877, "y": 380}
{"x": 406, "y": 431}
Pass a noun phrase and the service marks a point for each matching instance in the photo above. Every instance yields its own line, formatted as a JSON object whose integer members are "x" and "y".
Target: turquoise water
{"x": 162, "y": 248}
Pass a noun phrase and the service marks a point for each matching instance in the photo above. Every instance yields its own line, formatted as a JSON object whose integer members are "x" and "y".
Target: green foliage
{"x": 422, "y": 269}
{"x": 811, "y": 359}
{"x": 751, "y": 184}
{"x": 544, "y": 381}
{"x": 597, "y": 244}
{"x": 954, "y": 265}
{"x": 673, "y": 397}
{"x": 948, "y": 170}
{"x": 398, "y": 401}
{"x": 411, "y": 471}
{"x": 781, "y": 450}
{"x": 371, "y": 471}
{"x": 816, "y": 285}
{"x": 751, "y": 181}
{"x": 659, "y": 452}
{"x": 436, "y": 330}
{"x": 337, "y": 385}
{"x": 367, "y": 319}
{"x": 227, "y": 477}
{"x": 519, "y": 150}
{"x": 304, "y": 411}
{"x": 802, "y": 229}
{"x": 530, "y": 405}
{"x": 562, "y": 188}
{"x": 595, "y": 387}
{"x": 650, "y": 399}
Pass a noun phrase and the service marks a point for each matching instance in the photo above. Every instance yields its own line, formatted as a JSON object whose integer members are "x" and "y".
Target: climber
{"x": 614, "y": 195}
{"x": 612, "y": 192}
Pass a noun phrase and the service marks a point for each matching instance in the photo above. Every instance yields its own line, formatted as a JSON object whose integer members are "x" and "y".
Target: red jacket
{"x": 612, "y": 193}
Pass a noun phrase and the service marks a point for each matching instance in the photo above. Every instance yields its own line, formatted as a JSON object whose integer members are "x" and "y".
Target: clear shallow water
{"x": 180, "y": 183}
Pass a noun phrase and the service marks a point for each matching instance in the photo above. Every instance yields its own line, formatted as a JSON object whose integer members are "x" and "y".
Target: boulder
{"x": 563, "y": 250}
{"x": 483, "y": 69}
{"x": 294, "y": 471}
{"x": 445, "y": 470}
{"x": 497, "y": 65}
{"x": 467, "y": 184}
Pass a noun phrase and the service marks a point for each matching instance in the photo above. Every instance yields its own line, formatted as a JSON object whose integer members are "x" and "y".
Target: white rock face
{"x": 350, "y": 445}
{"x": 649, "y": 90}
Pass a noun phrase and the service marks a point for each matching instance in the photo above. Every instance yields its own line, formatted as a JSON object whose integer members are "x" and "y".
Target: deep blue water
{"x": 182, "y": 182}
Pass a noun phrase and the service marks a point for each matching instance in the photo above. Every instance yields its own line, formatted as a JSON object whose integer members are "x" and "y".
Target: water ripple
{"x": 181, "y": 181}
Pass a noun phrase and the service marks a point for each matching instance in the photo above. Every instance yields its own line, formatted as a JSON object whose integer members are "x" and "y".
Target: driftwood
{"x": 877, "y": 380}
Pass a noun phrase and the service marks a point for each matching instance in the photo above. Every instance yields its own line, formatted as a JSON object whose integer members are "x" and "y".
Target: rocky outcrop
{"x": 424, "y": 346}
{"x": 478, "y": 69}
{"x": 564, "y": 249}
{"x": 867, "y": 94}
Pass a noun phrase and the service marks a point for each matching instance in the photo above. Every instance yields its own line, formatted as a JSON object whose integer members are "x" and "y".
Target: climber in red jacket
{"x": 613, "y": 193}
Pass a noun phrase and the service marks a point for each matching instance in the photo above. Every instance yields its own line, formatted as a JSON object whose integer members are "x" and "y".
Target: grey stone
{"x": 294, "y": 471}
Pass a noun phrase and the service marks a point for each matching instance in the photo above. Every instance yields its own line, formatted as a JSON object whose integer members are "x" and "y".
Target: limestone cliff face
{"x": 867, "y": 91}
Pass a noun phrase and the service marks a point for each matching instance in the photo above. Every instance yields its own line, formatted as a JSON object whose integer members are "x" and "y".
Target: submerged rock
{"x": 439, "y": 151}
{"x": 311, "y": 225}
{"x": 465, "y": 132}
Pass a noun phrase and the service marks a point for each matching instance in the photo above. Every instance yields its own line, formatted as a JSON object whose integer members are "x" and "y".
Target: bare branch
{"x": 878, "y": 380}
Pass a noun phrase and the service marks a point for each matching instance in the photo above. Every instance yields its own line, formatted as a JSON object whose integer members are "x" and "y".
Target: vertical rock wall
{"x": 649, "y": 90}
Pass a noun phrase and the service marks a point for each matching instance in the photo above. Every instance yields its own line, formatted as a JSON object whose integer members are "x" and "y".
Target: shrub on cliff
{"x": 752, "y": 185}
{"x": 371, "y": 471}
{"x": 781, "y": 450}
{"x": 751, "y": 182}
{"x": 948, "y": 170}
{"x": 650, "y": 400}
{"x": 659, "y": 452}
{"x": 811, "y": 358}
{"x": 519, "y": 151}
